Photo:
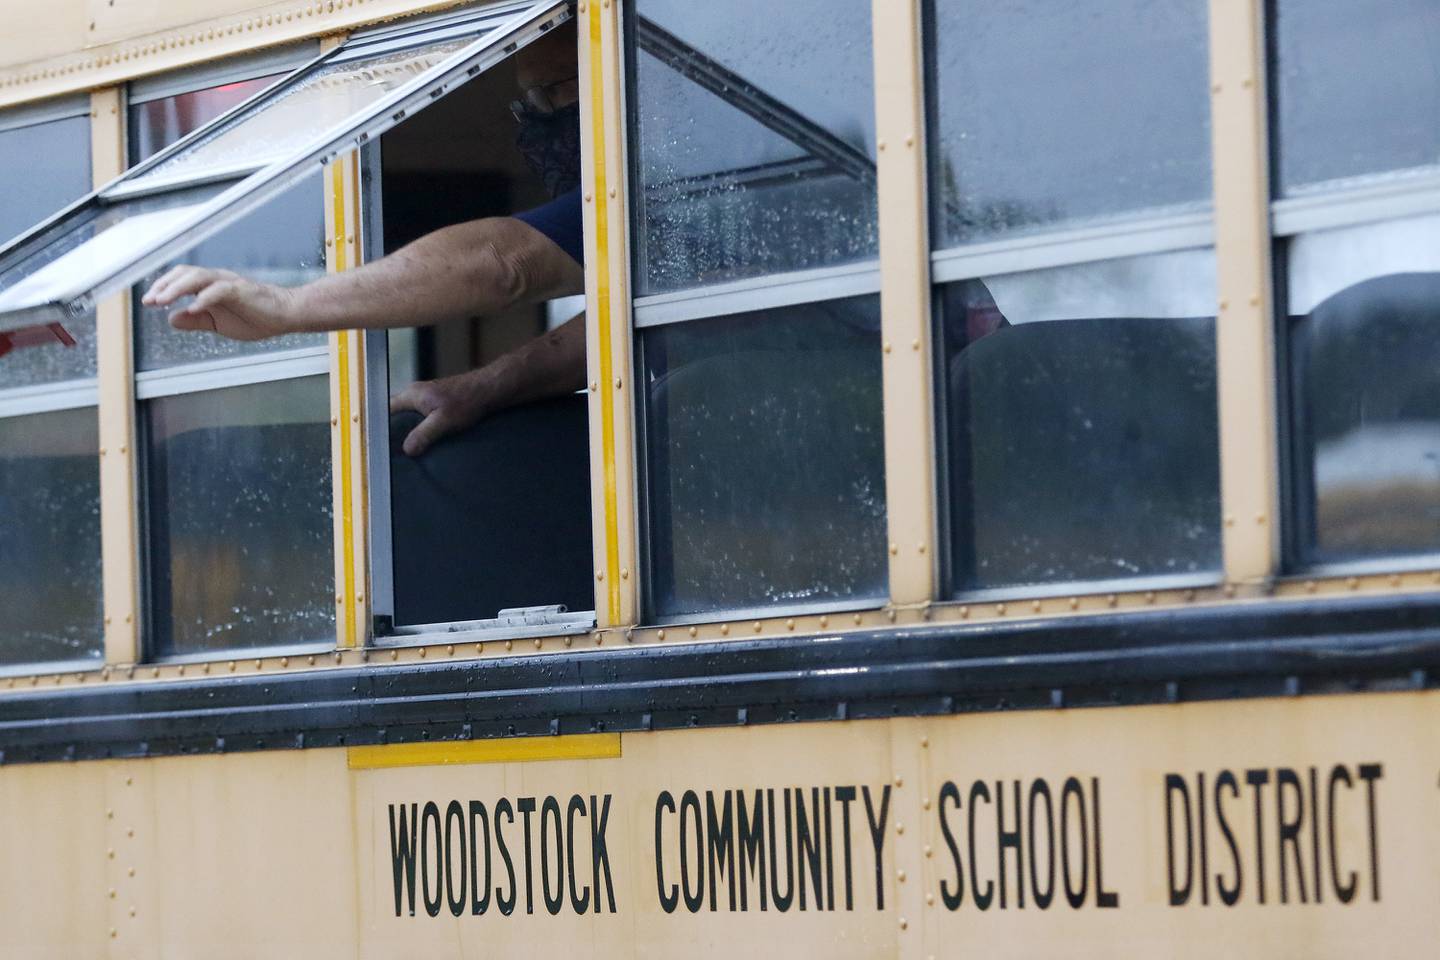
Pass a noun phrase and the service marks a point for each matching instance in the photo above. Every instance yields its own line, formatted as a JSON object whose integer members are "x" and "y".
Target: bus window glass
{"x": 156, "y": 124}
{"x": 755, "y": 147}
{"x": 765, "y": 459}
{"x": 1081, "y": 423}
{"x": 39, "y": 189}
{"x": 238, "y": 507}
{"x": 50, "y": 536}
{"x": 1078, "y": 113}
{"x": 50, "y": 599}
{"x": 1357, "y": 83}
{"x": 1365, "y": 305}
{"x": 46, "y": 166}
{"x": 236, "y": 465}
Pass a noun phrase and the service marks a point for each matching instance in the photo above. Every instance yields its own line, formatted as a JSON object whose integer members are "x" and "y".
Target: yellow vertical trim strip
{"x": 338, "y": 263}
{"x": 601, "y": 268}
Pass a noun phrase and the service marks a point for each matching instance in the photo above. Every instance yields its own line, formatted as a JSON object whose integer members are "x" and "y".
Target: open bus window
{"x": 759, "y": 348}
{"x": 236, "y": 439}
{"x": 489, "y": 528}
{"x": 1075, "y": 305}
{"x": 1358, "y": 278}
{"x": 50, "y": 598}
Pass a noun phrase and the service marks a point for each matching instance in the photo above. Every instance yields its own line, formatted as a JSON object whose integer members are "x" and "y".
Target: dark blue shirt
{"x": 561, "y": 221}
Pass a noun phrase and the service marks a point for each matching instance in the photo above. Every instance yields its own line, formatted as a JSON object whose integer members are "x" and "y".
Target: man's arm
{"x": 457, "y": 272}
{"x": 548, "y": 366}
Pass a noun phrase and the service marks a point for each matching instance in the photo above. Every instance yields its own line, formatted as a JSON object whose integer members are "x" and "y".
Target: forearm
{"x": 463, "y": 271}
{"x": 551, "y": 365}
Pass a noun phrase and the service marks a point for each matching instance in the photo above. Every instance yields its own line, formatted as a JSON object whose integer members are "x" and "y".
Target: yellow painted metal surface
{"x": 585, "y": 746}
{"x": 1300, "y": 827}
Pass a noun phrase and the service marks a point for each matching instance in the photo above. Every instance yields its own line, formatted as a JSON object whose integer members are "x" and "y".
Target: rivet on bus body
{"x": 127, "y": 618}
{"x": 1224, "y": 305}
{"x": 568, "y": 641}
{"x": 107, "y": 621}
{"x": 124, "y": 449}
{"x": 1215, "y": 88}
{"x": 756, "y": 626}
{"x": 284, "y": 661}
{"x": 894, "y": 550}
{"x": 659, "y": 634}
{"x": 259, "y": 664}
{"x": 1189, "y": 596}
{"x": 920, "y": 548}
{"x": 450, "y": 649}
{"x": 724, "y": 628}
{"x": 1035, "y": 606}
{"x": 355, "y": 418}
{"x": 394, "y": 654}
{"x": 1229, "y": 589}
{"x": 600, "y": 638}
{"x": 880, "y": 145}
{"x": 1229, "y": 520}
{"x": 857, "y": 619}
{"x": 155, "y": 671}
{"x": 629, "y": 635}
{"x": 915, "y": 344}
{"x": 110, "y": 854}
{"x": 132, "y": 911}
{"x": 537, "y": 643}
{"x": 34, "y": 681}
{"x": 964, "y": 613}
{"x": 929, "y": 899}
{"x": 102, "y": 451}
{"x": 205, "y": 668}
{"x": 339, "y": 657}
{"x": 624, "y": 573}
{"x": 612, "y": 192}
{"x": 1149, "y": 596}
{"x": 890, "y": 615}
{"x": 231, "y": 665}
{"x": 130, "y": 833}
{"x": 334, "y": 421}
{"x": 693, "y": 631}
{"x": 824, "y": 621}
{"x": 1248, "y": 82}
{"x": 886, "y": 346}
{"x": 910, "y": 141}
{"x": 364, "y": 656}
{"x": 899, "y": 780}
{"x": 339, "y": 598}
{"x": 789, "y": 624}
{"x": 588, "y": 198}
{"x": 925, "y": 804}
{"x": 1074, "y": 603}
{"x": 1254, "y": 299}
{"x": 618, "y": 383}
{"x": 113, "y": 932}
{"x": 1259, "y": 518}
{"x": 900, "y": 875}
{"x": 581, "y": 8}
{"x": 593, "y": 386}
{"x": 1395, "y": 580}
{"x": 1309, "y": 586}
{"x": 924, "y": 742}
{"x": 130, "y": 872}
{"x": 1353, "y": 583}
{"x": 422, "y": 653}
{"x": 900, "y": 829}
{"x": 509, "y": 644}
{"x": 904, "y": 924}
{"x": 1000, "y": 609}
{"x": 1112, "y": 600}
{"x": 310, "y": 660}
{"x": 112, "y": 893}
{"x": 599, "y": 574}
{"x": 180, "y": 670}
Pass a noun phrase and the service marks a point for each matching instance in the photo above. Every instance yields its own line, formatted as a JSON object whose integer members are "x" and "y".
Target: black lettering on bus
{"x": 506, "y": 904}
{"x": 550, "y": 813}
{"x": 431, "y": 812}
{"x": 1040, "y": 788}
{"x": 1072, "y": 788}
{"x": 720, "y": 845}
{"x": 1011, "y": 839}
{"x": 808, "y": 845}
{"x": 1257, "y": 780}
{"x": 1344, "y": 892}
{"x": 526, "y": 805}
{"x": 1287, "y": 828}
{"x": 978, "y": 792}
{"x": 580, "y": 904}
{"x": 829, "y": 856}
{"x": 1175, "y": 785}
{"x": 782, "y": 903}
{"x": 455, "y": 815}
{"x": 669, "y": 899}
{"x": 751, "y": 839}
{"x": 877, "y": 838}
{"x": 403, "y": 842}
{"x": 951, "y": 897}
{"x": 1370, "y": 772}
{"x": 1229, "y": 895}
{"x": 600, "y": 852}
{"x": 479, "y": 891}
{"x": 1315, "y": 883}
{"x": 1203, "y": 840}
{"x": 691, "y": 801}
{"x": 846, "y": 796}
{"x": 1104, "y": 899}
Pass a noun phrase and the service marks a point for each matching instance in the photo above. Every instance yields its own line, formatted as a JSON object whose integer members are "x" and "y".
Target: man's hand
{"x": 448, "y": 405}
{"x": 225, "y": 303}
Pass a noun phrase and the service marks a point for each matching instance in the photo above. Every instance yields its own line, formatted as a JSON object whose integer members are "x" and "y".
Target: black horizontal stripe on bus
{"x": 1272, "y": 649}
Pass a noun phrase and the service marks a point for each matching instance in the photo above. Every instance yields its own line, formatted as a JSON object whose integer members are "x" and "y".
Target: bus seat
{"x": 497, "y": 516}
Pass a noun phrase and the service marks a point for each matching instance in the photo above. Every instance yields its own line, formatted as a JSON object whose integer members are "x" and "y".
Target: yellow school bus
{"x": 1002, "y": 516}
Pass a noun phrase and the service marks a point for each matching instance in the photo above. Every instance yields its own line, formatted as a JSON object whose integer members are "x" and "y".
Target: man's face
{"x": 546, "y": 70}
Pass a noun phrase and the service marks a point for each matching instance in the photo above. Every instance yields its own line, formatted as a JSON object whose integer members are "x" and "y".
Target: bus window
{"x": 755, "y": 226}
{"x": 1075, "y": 306}
{"x": 1359, "y": 277}
{"x": 489, "y": 528}
{"x": 235, "y": 435}
{"x": 49, "y": 469}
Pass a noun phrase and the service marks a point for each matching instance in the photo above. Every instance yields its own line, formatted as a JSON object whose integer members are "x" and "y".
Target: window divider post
{"x": 1245, "y": 331}
{"x": 115, "y": 380}
{"x": 909, "y": 403}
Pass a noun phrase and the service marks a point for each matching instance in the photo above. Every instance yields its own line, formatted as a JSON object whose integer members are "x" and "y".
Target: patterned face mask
{"x": 550, "y": 144}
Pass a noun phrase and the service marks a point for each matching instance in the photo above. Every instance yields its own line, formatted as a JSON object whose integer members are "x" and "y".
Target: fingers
{"x": 176, "y": 283}
{"x": 429, "y": 430}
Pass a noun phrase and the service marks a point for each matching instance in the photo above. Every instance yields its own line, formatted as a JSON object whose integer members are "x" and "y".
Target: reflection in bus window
{"x": 1081, "y": 423}
{"x": 765, "y": 456}
{"x": 50, "y": 536}
{"x": 156, "y": 124}
{"x": 747, "y": 164}
{"x": 1358, "y": 87}
{"x": 1091, "y": 110}
{"x": 243, "y": 561}
{"x": 1365, "y": 306}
